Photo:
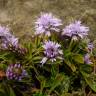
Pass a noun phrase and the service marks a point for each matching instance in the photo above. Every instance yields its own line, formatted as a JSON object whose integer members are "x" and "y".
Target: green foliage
{"x": 6, "y": 90}
{"x": 53, "y": 78}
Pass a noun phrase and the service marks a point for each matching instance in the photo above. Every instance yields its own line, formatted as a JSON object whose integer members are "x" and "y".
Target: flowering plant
{"x": 56, "y": 61}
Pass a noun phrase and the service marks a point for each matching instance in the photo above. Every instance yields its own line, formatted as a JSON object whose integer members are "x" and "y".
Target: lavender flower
{"x": 10, "y": 42}
{"x": 87, "y": 59}
{"x": 77, "y": 29}
{"x": 7, "y": 38}
{"x": 90, "y": 47}
{"x": 15, "y": 72}
{"x": 47, "y": 23}
{"x": 4, "y": 32}
{"x": 52, "y": 51}
{"x": 7, "y": 42}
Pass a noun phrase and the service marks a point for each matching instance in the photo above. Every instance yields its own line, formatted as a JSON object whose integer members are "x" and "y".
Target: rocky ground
{"x": 21, "y": 14}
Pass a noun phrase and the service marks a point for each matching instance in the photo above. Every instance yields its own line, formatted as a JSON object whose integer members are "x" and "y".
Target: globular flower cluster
{"x": 7, "y": 38}
{"x": 51, "y": 51}
{"x": 15, "y": 72}
{"x": 87, "y": 59}
{"x": 47, "y": 23}
{"x": 90, "y": 47}
{"x": 76, "y": 29}
{"x": 87, "y": 56}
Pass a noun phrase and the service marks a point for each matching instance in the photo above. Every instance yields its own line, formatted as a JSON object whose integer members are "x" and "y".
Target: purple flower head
{"x": 77, "y": 29}
{"x": 46, "y": 23}
{"x": 4, "y": 32}
{"x": 51, "y": 51}
{"x": 15, "y": 72}
{"x": 7, "y": 42}
{"x": 90, "y": 47}
{"x": 87, "y": 59}
{"x": 7, "y": 38}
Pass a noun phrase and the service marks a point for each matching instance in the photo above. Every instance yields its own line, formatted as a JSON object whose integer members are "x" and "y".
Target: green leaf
{"x": 3, "y": 66}
{"x": 72, "y": 66}
{"x": 11, "y": 92}
{"x": 42, "y": 81}
{"x": 66, "y": 94}
{"x": 37, "y": 58}
{"x": 2, "y": 93}
{"x": 78, "y": 58}
{"x": 39, "y": 94}
{"x": 56, "y": 82}
{"x": 90, "y": 80}
{"x": 86, "y": 68}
